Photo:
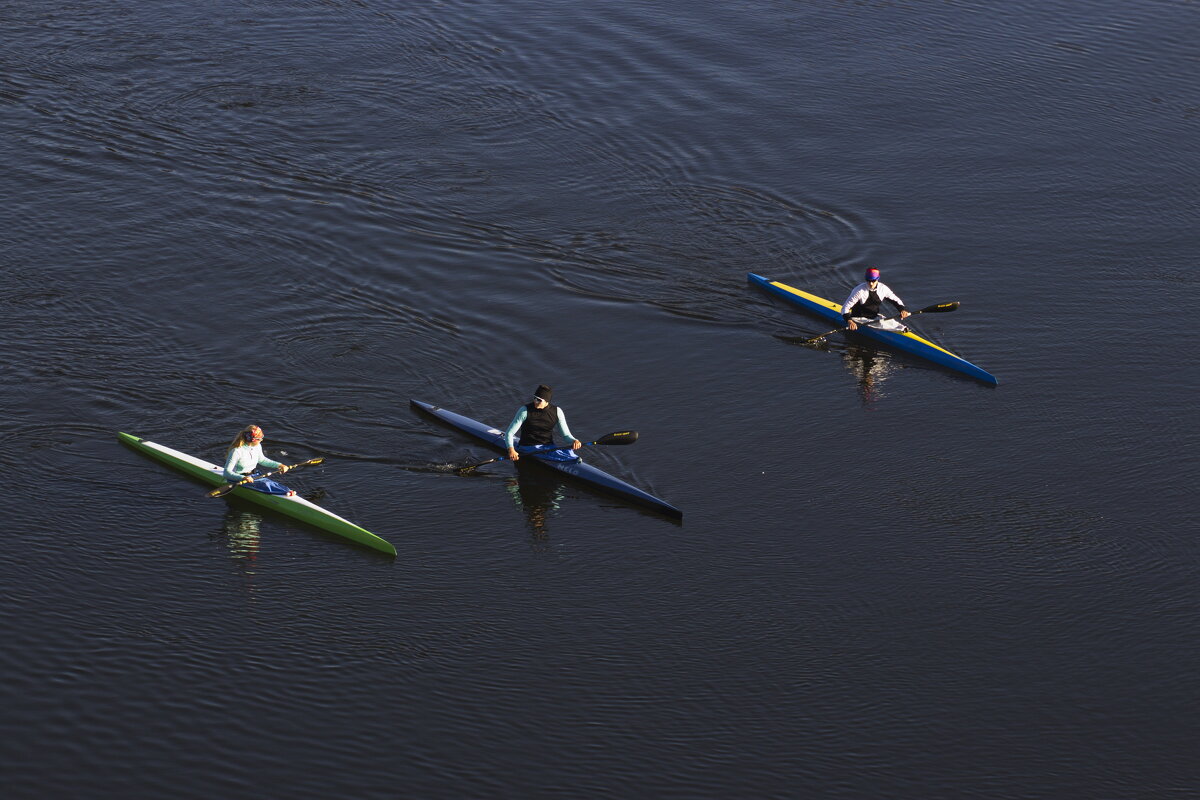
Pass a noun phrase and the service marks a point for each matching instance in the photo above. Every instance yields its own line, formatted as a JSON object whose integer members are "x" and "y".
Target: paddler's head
{"x": 542, "y": 395}
{"x": 872, "y": 275}
{"x": 252, "y": 435}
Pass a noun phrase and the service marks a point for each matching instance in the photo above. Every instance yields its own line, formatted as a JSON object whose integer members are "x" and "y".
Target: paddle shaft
{"x": 619, "y": 437}
{"x": 936, "y": 308}
{"x": 229, "y": 487}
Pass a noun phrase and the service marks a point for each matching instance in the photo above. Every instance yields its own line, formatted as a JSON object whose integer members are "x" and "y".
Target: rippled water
{"x": 890, "y": 581}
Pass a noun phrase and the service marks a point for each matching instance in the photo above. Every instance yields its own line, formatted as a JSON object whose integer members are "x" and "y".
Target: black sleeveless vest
{"x": 869, "y": 307}
{"x": 538, "y": 427}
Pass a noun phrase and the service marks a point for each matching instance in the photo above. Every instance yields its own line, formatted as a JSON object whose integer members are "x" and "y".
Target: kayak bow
{"x": 596, "y": 478}
{"x": 907, "y": 342}
{"x": 296, "y": 506}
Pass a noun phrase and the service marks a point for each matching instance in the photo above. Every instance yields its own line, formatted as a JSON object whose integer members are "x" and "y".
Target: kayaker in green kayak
{"x": 536, "y": 422}
{"x": 245, "y": 455}
{"x": 865, "y": 301}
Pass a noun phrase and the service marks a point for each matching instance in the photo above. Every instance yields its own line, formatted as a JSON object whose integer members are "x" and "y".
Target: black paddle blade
{"x": 808, "y": 341}
{"x": 618, "y": 437}
{"x": 469, "y": 467}
{"x": 939, "y": 308}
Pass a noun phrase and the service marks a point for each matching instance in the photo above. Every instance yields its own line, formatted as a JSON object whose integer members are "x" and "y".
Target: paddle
{"x": 617, "y": 437}
{"x": 229, "y": 487}
{"x": 937, "y": 308}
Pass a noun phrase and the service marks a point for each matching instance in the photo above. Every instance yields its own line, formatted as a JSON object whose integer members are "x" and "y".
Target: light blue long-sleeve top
{"x": 245, "y": 459}
{"x": 519, "y": 420}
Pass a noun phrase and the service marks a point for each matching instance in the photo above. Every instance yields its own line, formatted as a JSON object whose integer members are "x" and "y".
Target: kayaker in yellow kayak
{"x": 245, "y": 455}
{"x": 865, "y": 301}
{"x": 536, "y": 422}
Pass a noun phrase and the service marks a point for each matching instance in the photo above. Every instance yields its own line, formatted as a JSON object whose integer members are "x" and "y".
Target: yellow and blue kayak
{"x": 296, "y": 506}
{"x": 907, "y": 342}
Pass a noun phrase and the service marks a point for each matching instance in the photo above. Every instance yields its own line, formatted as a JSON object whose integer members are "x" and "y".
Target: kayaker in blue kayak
{"x": 865, "y": 301}
{"x": 536, "y": 423}
{"x": 245, "y": 455}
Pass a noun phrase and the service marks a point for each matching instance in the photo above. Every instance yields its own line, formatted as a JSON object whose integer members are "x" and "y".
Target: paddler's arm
{"x": 511, "y": 431}
{"x": 263, "y": 461}
{"x": 566, "y": 432}
{"x": 856, "y": 296}
{"x": 895, "y": 298}
{"x": 231, "y": 473}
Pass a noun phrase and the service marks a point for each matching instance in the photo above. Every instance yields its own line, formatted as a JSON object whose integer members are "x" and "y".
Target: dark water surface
{"x": 890, "y": 580}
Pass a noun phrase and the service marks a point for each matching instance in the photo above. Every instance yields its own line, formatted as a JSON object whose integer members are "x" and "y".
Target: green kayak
{"x": 296, "y": 506}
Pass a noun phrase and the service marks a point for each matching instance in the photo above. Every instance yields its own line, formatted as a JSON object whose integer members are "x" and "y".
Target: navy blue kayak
{"x": 908, "y": 342}
{"x": 596, "y": 478}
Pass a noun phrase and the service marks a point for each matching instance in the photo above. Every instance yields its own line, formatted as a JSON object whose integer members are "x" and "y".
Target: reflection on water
{"x": 872, "y": 368}
{"x": 537, "y": 492}
{"x": 241, "y": 531}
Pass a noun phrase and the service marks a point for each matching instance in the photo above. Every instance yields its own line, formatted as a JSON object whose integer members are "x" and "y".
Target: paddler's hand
{"x": 905, "y": 315}
{"x": 853, "y": 325}
{"x": 512, "y": 454}
{"x": 284, "y": 468}
{"x": 575, "y": 445}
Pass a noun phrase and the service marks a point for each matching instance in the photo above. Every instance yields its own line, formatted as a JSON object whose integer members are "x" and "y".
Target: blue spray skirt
{"x": 267, "y": 486}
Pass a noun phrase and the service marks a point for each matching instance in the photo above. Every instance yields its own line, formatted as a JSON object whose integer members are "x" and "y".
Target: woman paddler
{"x": 536, "y": 423}
{"x": 245, "y": 455}
{"x": 866, "y": 299}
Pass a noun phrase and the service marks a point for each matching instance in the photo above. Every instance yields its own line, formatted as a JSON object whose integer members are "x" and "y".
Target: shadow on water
{"x": 871, "y": 368}
{"x": 242, "y": 523}
{"x": 241, "y": 533}
{"x": 538, "y": 493}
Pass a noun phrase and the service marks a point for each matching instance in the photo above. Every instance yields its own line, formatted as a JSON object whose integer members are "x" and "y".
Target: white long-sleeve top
{"x": 245, "y": 459}
{"x": 863, "y": 291}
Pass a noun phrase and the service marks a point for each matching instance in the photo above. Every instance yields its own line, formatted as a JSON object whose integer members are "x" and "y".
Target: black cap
{"x": 543, "y": 392}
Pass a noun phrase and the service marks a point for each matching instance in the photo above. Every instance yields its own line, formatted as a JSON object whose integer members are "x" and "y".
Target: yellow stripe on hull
{"x": 832, "y": 306}
{"x": 906, "y": 342}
